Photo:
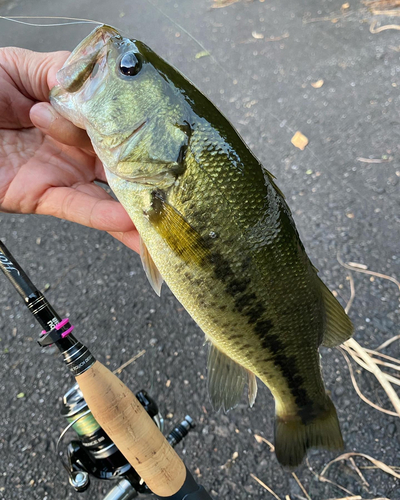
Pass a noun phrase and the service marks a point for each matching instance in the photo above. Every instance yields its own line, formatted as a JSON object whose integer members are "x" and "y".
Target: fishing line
{"x": 16, "y": 19}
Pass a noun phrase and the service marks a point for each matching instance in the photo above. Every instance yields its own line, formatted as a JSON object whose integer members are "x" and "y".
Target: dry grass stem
{"x": 301, "y": 486}
{"x": 380, "y": 354}
{"x": 381, "y": 4}
{"x": 388, "y": 342}
{"x": 355, "y": 497}
{"x": 265, "y": 486}
{"x": 220, "y": 4}
{"x": 375, "y": 370}
{"x": 382, "y": 466}
{"x": 389, "y": 13}
{"x": 326, "y": 480}
{"x": 124, "y": 365}
{"x": 375, "y": 160}
{"x": 361, "y": 395}
{"x": 352, "y": 294}
{"x": 359, "y": 361}
{"x": 384, "y": 363}
{"x": 332, "y": 19}
{"x": 373, "y": 29}
{"x": 261, "y": 439}
{"x": 360, "y": 269}
{"x": 368, "y": 358}
{"x": 363, "y": 480}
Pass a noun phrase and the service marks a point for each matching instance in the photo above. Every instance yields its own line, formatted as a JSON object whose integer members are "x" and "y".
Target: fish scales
{"x": 216, "y": 228}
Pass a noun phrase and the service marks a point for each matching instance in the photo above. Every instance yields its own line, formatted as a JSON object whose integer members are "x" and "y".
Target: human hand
{"x": 47, "y": 165}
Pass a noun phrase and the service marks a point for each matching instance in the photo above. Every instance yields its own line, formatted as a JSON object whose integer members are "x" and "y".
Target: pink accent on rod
{"x": 43, "y": 332}
{"x": 61, "y": 323}
{"x": 64, "y": 334}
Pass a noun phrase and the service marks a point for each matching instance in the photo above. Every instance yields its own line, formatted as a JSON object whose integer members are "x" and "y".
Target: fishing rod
{"x": 111, "y": 420}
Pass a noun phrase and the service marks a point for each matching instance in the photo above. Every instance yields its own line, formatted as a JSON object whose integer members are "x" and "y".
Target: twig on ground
{"x": 358, "y": 391}
{"x": 366, "y": 271}
{"x": 124, "y": 365}
{"x": 301, "y": 486}
{"x": 375, "y": 160}
{"x": 265, "y": 486}
{"x": 363, "y": 480}
{"x": 388, "y": 342}
{"x": 352, "y": 294}
{"x": 378, "y": 463}
{"x": 220, "y": 4}
{"x": 374, "y": 30}
{"x": 261, "y": 439}
{"x": 382, "y": 4}
{"x": 390, "y": 13}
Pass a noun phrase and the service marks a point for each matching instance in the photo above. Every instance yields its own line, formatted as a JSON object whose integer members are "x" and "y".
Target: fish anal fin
{"x": 338, "y": 326}
{"x": 225, "y": 380}
{"x": 152, "y": 273}
{"x": 293, "y": 437}
{"x": 176, "y": 231}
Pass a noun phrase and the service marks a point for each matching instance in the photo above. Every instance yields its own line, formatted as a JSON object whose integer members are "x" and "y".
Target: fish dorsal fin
{"x": 338, "y": 326}
{"x": 152, "y": 273}
{"x": 226, "y": 380}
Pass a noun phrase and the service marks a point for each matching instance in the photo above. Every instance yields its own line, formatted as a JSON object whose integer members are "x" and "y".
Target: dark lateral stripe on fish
{"x": 248, "y": 305}
{"x": 189, "y": 244}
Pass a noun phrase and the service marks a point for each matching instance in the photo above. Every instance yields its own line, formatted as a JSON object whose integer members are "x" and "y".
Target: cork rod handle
{"x": 133, "y": 431}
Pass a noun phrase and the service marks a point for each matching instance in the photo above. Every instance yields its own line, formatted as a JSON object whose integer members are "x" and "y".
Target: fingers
{"x": 44, "y": 117}
{"x": 88, "y": 205}
{"x": 131, "y": 239}
{"x": 33, "y": 73}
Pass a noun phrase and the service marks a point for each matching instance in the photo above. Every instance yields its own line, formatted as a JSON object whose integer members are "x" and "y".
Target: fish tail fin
{"x": 293, "y": 437}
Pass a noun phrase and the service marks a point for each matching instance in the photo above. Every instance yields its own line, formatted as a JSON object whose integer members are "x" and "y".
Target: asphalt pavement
{"x": 275, "y": 68}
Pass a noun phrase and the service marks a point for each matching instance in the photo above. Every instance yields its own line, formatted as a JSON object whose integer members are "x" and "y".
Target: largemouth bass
{"x": 215, "y": 227}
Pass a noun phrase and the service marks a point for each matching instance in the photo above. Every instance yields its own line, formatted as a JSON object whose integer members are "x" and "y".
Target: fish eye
{"x": 130, "y": 64}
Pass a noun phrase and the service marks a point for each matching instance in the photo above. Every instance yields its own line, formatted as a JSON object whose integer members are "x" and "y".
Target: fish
{"x": 216, "y": 228}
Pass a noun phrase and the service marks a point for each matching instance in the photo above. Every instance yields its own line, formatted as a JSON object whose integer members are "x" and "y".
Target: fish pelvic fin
{"x": 252, "y": 388}
{"x": 226, "y": 380}
{"x": 152, "y": 273}
{"x": 338, "y": 326}
{"x": 293, "y": 436}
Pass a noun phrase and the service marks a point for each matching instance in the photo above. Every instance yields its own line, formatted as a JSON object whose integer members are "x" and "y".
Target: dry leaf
{"x": 203, "y": 53}
{"x": 299, "y": 140}
{"x": 318, "y": 84}
{"x": 256, "y": 35}
{"x": 345, "y": 6}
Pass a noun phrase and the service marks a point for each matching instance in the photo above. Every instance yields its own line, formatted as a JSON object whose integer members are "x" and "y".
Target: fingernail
{"x": 42, "y": 116}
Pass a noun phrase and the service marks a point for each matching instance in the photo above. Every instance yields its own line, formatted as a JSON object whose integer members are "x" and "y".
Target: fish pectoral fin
{"x": 226, "y": 380}
{"x": 176, "y": 231}
{"x": 338, "y": 327}
{"x": 152, "y": 273}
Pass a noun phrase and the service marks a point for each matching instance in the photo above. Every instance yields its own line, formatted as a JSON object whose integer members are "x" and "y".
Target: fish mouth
{"x": 80, "y": 64}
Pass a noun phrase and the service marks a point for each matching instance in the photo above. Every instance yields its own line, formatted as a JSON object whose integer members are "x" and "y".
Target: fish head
{"x": 116, "y": 89}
